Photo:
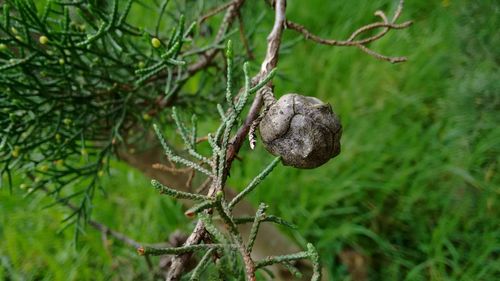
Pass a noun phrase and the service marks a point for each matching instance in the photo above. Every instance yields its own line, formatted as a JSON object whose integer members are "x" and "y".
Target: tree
{"x": 82, "y": 83}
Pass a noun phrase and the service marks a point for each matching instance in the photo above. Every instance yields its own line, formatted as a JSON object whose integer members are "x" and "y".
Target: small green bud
{"x": 83, "y": 152}
{"x": 58, "y": 137}
{"x": 141, "y": 64}
{"x": 14, "y": 30}
{"x": 3, "y": 47}
{"x": 66, "y": 121}
{"x": 19, "y": 38}
{"x": 146, "y": 117}
{"x": 43, "y": 40}
{"x": 61, "y": 61}
{"x": 23, "y": 186}
{"x": 155, "y": 42}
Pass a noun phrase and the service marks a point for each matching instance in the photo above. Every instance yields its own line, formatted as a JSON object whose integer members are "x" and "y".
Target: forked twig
{"x": 361, "y": 43}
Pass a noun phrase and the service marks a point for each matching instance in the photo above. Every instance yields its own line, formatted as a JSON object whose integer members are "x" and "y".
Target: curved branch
{"x": 386, "y": 25}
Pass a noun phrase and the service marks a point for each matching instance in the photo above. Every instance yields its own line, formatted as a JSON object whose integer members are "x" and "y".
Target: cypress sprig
{"x": 189, "y": 143}
{"x": 195, "y": 275}
{"x": 244, "y": 97}
{"x": 170, "y": 154}
{"x": 212, "y": 229}
{"x": 175, "y": 193}
{"x": 229, "y": 73}
{"x": 151, "y": 251}
{"x": 213, "y": 143}
{"x": 125, "y": 13}
{"x": 260, "y": 214}
{"x": 198, "y": 208}
{"x": 253, "y": 184}
{"x": 17, "y": 62}
{"x": 100, "y": 32}
{"x": 283, "y": 258}
{"x": 314, "y": 256}
{"x": 194, "y": 130}
{"x": 293, "y": 270}
{"x": 225, "y": 214}
{"x": 263, "y": 82}
{"x": 267, "y": 218}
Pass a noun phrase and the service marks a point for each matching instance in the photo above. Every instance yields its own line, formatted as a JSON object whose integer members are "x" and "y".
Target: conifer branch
{"x": 82, "y": 80}
{"x": 151, "y": 251}
{"x": 175, "y": 193}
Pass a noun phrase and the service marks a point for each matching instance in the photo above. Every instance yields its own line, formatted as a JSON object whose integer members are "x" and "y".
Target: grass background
{"x": 415, "y": 191}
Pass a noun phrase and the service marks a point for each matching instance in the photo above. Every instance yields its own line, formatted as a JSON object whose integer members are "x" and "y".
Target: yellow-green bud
{"x": 43, "y": 40}
{"x": 155, "y": 42}
{"x": 3, "y": 47}
{"x": 61, "y": 61}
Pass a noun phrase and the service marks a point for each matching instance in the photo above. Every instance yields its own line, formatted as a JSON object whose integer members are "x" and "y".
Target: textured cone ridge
{"x": 303, "y": 130}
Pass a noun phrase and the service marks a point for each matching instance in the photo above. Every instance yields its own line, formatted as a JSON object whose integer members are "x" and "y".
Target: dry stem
{"x": 361, "y": 44}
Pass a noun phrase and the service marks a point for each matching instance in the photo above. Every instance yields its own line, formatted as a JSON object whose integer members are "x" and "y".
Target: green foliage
{"x": 413, "y": 194}
{"x": 79, "y": 80}
{"x": 34, "y": 247}
{"x": 232, "y": 242}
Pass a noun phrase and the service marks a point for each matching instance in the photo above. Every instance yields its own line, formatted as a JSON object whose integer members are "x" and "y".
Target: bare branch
{"x": 215, "y": 11}
{"x": 173, "y": 169}
{"x": 385, "y": 24}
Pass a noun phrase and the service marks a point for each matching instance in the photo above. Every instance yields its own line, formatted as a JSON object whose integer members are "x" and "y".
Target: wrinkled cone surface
{"x": 303, "y": 130}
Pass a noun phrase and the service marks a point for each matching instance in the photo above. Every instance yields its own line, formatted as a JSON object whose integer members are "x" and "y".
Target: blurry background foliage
{"x": 414, "y": 194}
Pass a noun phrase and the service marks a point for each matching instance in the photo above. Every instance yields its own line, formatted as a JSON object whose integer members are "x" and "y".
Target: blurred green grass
{"x": 415, "y": 190}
